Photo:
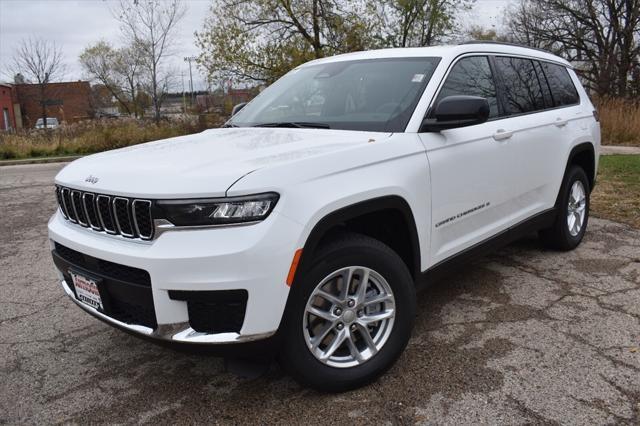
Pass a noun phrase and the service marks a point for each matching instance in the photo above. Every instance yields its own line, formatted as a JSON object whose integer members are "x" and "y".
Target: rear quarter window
{"x": 521, "y": 88}
{"x": 562, "y": 89}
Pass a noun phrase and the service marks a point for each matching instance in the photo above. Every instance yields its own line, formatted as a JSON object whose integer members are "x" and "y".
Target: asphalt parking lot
{"x": 522, "y": 336}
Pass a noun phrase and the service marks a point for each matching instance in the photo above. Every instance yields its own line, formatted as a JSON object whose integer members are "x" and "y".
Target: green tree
{"x": 416, "y": 23}
{"x": 477, "y": 32}
{"x": 260, "y": 40}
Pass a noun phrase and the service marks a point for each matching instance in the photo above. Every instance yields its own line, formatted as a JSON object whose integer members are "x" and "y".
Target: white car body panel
{"x": 384, "y": 166}
{"x": 201, "y": 260}
{"x": 201, "y": 165}
{"x": 317, "y": 172}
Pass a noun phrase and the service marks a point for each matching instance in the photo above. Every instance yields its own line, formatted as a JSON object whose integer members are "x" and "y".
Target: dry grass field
{"x": 92, "y": 136}
{"x": 620, "y": 122}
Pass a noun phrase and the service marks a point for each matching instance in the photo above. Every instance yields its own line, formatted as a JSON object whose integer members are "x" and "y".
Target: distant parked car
{"x": 103, "y": 114}
{"x": 52, "y": 123}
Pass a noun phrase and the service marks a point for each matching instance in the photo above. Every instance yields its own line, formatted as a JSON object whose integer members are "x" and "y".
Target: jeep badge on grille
{"x": 91, "y": 179}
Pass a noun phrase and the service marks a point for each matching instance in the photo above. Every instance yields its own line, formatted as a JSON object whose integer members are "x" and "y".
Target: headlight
{"x": 218, "y": 211}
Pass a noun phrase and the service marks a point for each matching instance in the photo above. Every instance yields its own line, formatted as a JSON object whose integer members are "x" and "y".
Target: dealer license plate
{"x": 86, "y": 290}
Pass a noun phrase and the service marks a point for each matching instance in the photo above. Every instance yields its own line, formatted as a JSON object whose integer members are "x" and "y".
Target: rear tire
{"x": 348, "y": 316}
{"x": 573, "y": 212}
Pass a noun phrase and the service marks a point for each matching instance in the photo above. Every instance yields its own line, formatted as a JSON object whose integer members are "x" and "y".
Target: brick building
{"x": 8, "y": 107}
{"x": 67, "y": 101}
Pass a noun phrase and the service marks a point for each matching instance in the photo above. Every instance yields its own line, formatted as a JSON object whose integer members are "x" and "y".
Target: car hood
{"x": 203, "y": 164}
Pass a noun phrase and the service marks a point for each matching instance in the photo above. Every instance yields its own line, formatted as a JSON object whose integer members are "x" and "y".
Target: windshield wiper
{"x": 295, "y": 124}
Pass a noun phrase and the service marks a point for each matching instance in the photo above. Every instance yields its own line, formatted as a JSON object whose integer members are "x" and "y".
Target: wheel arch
{"x": 583, "y": 155}
{"x": 362, "y": 217}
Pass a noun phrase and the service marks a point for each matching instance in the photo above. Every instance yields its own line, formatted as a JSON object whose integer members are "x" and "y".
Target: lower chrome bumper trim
{"x": 180, "y": 332}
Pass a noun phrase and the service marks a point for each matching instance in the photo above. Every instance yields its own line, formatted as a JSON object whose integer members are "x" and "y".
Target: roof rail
{"x": 504, "y": 43}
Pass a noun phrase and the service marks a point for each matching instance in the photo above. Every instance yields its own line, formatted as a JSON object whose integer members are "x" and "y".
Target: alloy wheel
{"x": 576, "y": 208}
{"x": 349, "y": 317}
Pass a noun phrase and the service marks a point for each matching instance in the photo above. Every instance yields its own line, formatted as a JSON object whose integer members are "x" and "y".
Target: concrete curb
{"x": 40, "y": 160}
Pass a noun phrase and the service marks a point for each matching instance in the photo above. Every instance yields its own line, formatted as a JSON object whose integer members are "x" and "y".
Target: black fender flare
{"x": 578, "y": 149}
{"x": 343, "y": 214}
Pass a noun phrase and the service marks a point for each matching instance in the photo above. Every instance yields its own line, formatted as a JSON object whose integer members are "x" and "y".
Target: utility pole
{"x": 184, "y": 99}
{"x": 190, "y": 59}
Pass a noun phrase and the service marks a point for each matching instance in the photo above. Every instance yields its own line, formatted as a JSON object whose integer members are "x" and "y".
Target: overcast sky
{"x": 74, "y": 24}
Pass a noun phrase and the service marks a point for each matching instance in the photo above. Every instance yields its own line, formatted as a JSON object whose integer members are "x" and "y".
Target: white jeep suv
{"x": 312, "y": 216}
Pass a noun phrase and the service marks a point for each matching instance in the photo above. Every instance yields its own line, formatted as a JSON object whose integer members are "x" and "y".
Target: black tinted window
{"x": 562, "y": 89}
{"x": 522, "y": 89}
{"x": 546, "y": 90}
{"x": 472, "y": 77}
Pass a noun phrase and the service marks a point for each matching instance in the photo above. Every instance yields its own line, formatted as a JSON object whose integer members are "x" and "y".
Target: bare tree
{"x": 601, "y": 37}
{"x": 150, "y": 25}
{"x": 128, "y": 65}
{"x": 118, "y": 70}
{"x": 40, "y": 62}
{"x": 99, "y": 61}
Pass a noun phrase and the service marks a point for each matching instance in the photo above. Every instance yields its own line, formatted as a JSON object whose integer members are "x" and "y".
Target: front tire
{"x": 573, "y": 212}
{"x": 350, "y": 315}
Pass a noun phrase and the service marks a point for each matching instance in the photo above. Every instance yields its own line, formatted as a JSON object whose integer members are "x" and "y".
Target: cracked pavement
{"x": 521, "y": 336}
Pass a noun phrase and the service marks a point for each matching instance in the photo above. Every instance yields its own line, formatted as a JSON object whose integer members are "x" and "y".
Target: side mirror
{"x": 456, "y": 111}
{"x": 236, "y": 108}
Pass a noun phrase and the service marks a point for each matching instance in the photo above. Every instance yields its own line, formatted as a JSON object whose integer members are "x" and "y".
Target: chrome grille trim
{"x": 78, "y": 209}
{"x": 66, "y": 200}
{"x": 135, "y": 206}
{"x": 114, "y": 215}
{"x": 92, "y": 202}
{"x": 61, "y": 202}
{"x": 102, "y": 222}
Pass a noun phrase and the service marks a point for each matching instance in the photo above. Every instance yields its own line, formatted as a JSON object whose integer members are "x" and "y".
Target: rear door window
{"x": 521, "y": 88}
{"x": 562, "y": 89}
{"x": 472, "y": 76}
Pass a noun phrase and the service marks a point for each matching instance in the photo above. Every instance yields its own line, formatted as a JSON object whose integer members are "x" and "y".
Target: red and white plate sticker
{"x": 86, "y": 290}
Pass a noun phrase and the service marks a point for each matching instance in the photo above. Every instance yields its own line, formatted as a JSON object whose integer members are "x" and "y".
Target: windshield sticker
{"x": 417, "y": 78}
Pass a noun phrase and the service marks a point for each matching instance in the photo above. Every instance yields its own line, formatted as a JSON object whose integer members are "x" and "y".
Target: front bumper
{"x": 253, "y": 258}
{"x": 179, "y": 333}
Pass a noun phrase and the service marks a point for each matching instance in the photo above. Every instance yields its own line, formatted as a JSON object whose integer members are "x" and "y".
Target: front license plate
{"x": 86, "y": 290}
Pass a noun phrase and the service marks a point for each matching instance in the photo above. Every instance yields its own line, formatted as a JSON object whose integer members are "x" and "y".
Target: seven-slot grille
{"x": 114, "y": 215}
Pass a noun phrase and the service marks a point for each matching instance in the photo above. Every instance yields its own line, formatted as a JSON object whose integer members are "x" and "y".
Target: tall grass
{"x": 96, "y": 135}
{"x": 619, "y": 121}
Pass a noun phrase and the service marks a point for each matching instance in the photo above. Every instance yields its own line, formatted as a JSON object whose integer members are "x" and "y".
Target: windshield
{"x": 374, "y": 95}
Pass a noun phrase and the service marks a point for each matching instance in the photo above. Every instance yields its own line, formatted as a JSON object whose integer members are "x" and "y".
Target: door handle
{"x": 502, "y": 134}
{"x": 560, "y": 122}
